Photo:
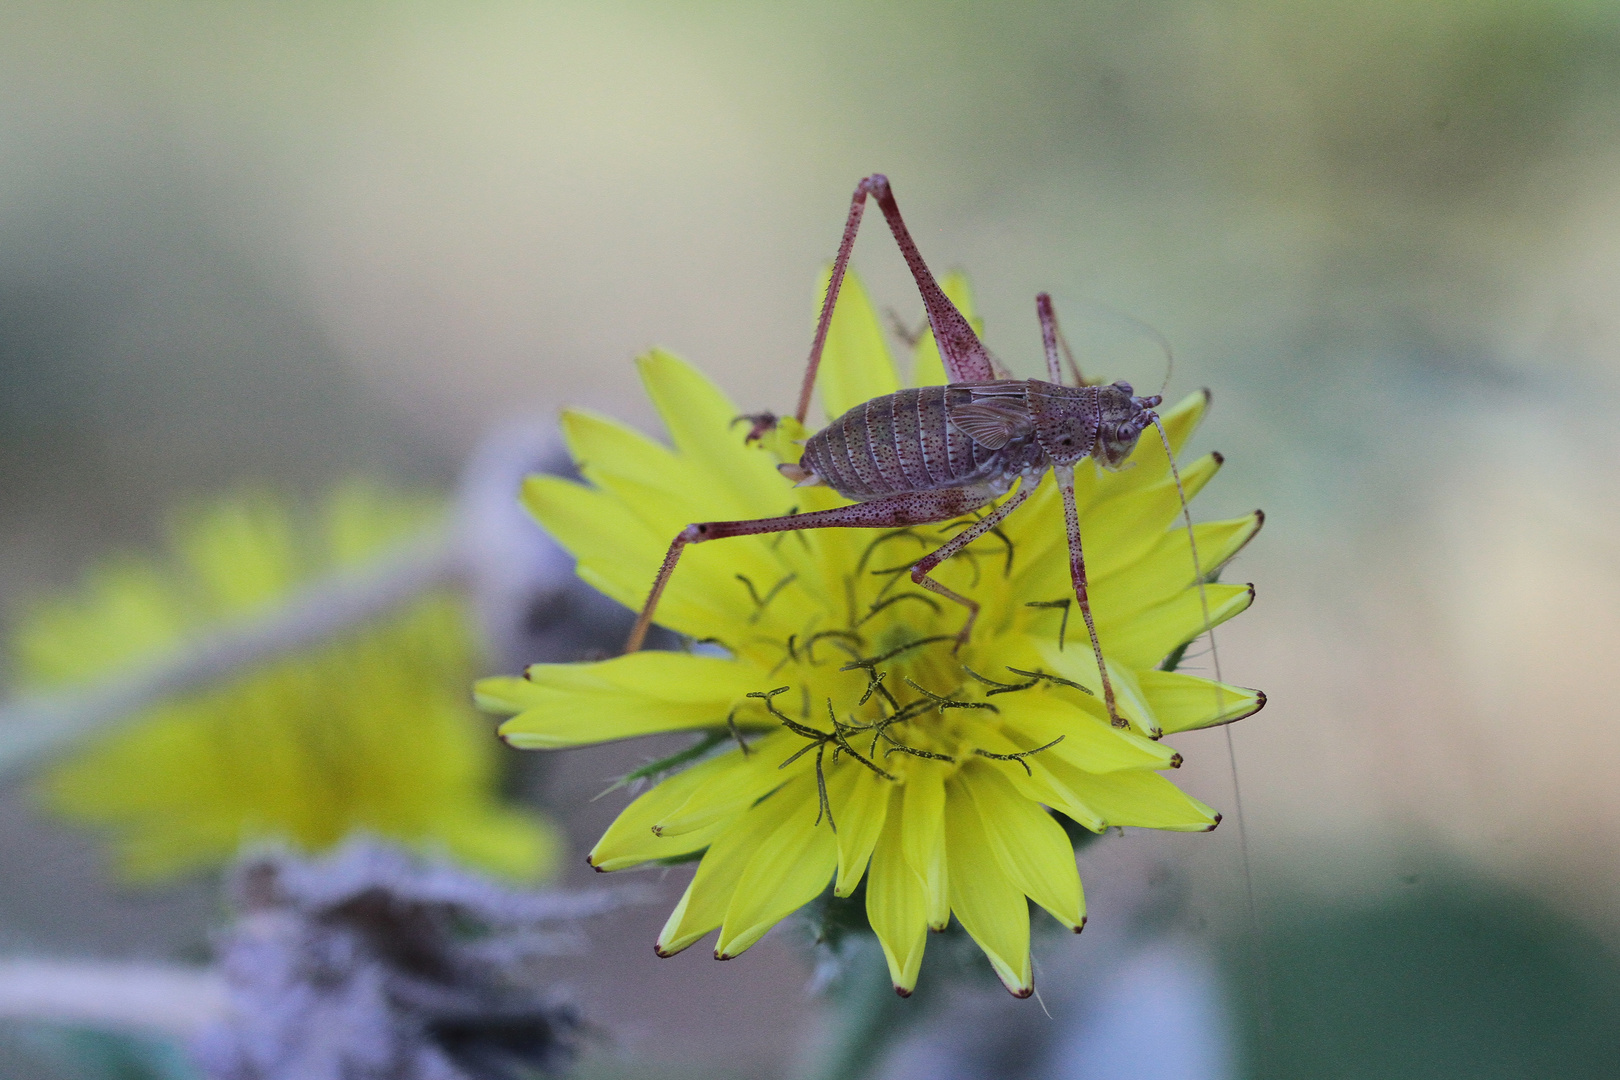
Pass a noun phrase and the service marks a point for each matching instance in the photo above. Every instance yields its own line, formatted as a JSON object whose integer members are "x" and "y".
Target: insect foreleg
{"x": 889, "y": 512}
{"x": 1077, "y": 573}
{"x": 919, "y": 571}
{"x": 1049, "y": 339}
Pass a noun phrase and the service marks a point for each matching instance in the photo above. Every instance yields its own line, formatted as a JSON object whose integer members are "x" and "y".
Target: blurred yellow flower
{"x": 369, "y": 732}
{"x": 875, "y": 748}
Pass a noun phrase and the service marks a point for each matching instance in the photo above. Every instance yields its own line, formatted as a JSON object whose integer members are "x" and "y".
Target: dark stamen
{"x": 896, "y": 651}
{"x": 1000, "y": 687}
{"x": 731, "y": 722}
{"x": 902, "y": 748}
{"x": 894, "y": 534}
{"x": 950, "y": 703}
{"x": 759, "y": 602}
{"x": 1021, "y": 755}
{"x": 839, "y": 637}
{"x": 1051, "y": 678}
{"x": 823, "y": 803}
{"x": 817, "y": 741}
{"x": 881, "y": 604}
{"x": 1063, "y": 627}
{"x": 875, "y": 686}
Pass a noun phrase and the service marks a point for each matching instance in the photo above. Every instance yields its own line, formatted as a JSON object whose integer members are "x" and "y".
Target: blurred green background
{"x": 286, "y": 241}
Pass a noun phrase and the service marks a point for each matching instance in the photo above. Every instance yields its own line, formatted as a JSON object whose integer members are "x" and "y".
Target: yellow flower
{"x": 369, "y": 732}
{"x": 873, "y": 747}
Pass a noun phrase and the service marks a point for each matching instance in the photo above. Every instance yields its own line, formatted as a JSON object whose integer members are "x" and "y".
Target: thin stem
{"x": 32, "y": 728}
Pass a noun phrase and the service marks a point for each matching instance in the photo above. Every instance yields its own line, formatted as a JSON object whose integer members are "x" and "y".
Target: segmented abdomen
{"x": 898, "y": 443}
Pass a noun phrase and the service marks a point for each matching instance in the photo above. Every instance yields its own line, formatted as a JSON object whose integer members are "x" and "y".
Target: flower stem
{"x": 864, "y": 1018}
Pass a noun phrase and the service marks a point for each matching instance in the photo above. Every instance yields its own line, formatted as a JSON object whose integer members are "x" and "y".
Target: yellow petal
{"x": 896, "y": 904}
{"x": 699, "y": 418}
{"x": 1119, "y": 531}
{"x": 646, "y": 477}
{"x": 636, "y": 694}
{"x": 620, "y": 550}
{"x": 1115, "y": 533}
{"x": 1149, "y": 638}
{"x": 616, "y": 549}
{"x": 630, "y": 839}
{"x": 1036, "y": 719}
{"x": 1168, "y": 569}
{"x": 924, "y": 837}
{"x": 1077, "y": 662}
{"x": 703, "y": 906}
{"x": 860, "y": 802}
{"x": 1143, "y": 799}
{"x": 749, "y": 779}
{"x": 1034, "y": 850}
{"x": 789, "y": 869}
{"x": 992, "y": 909}
{"x": 856, "y": 365}
{"x": 1041, "y": 784}
{"x": 1185, "y": 702}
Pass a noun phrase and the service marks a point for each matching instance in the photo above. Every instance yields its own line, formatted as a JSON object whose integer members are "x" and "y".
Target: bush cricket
{"x": 934, "y": 453}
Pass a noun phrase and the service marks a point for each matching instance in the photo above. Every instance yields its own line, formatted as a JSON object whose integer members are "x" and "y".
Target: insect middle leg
{"x": 891, "y": 511}
{"x": 919, "y": 572}
{"x": 1077, "y": 575}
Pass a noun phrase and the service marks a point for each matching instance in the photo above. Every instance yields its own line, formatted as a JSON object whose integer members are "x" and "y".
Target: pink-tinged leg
{"x": 889, "y": 512}
{"x": 1048, "y": 320}
{"x": 965, "y": 357}
{"x": 919, "y": 572}
{"x": 1052, "y": 339}
{"x": 1077, "y": 573}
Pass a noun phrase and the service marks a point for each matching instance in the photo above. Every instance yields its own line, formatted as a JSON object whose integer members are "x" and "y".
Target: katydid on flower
{"x": 935, "y": 453}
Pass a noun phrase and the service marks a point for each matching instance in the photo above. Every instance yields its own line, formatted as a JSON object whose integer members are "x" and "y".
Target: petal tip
{"x": 1214, "y": 823}
{"x": 903, "y": 991}
{"x": 1175, "y": 760}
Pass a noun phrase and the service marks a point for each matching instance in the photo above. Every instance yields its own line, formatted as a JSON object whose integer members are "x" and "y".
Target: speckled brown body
{"x": 980, "y": 436}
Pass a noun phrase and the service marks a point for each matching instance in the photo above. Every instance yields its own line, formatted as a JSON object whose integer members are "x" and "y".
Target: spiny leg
{"x": 1198, "y": 567}
{"x": 964, "y": 355}
{"x": 919, "y": 571}
{"x": 1052, "y": 338}
{"x": 891, "y": 511}
{"x": 1077, "y": 573}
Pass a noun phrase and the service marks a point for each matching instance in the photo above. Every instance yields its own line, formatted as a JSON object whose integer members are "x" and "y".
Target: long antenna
{"x": 1147, "y": 329}
{"x": 1262, "y": 987}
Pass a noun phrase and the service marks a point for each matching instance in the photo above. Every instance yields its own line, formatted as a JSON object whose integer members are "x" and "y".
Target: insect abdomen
{"x": 898, "y": 443}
